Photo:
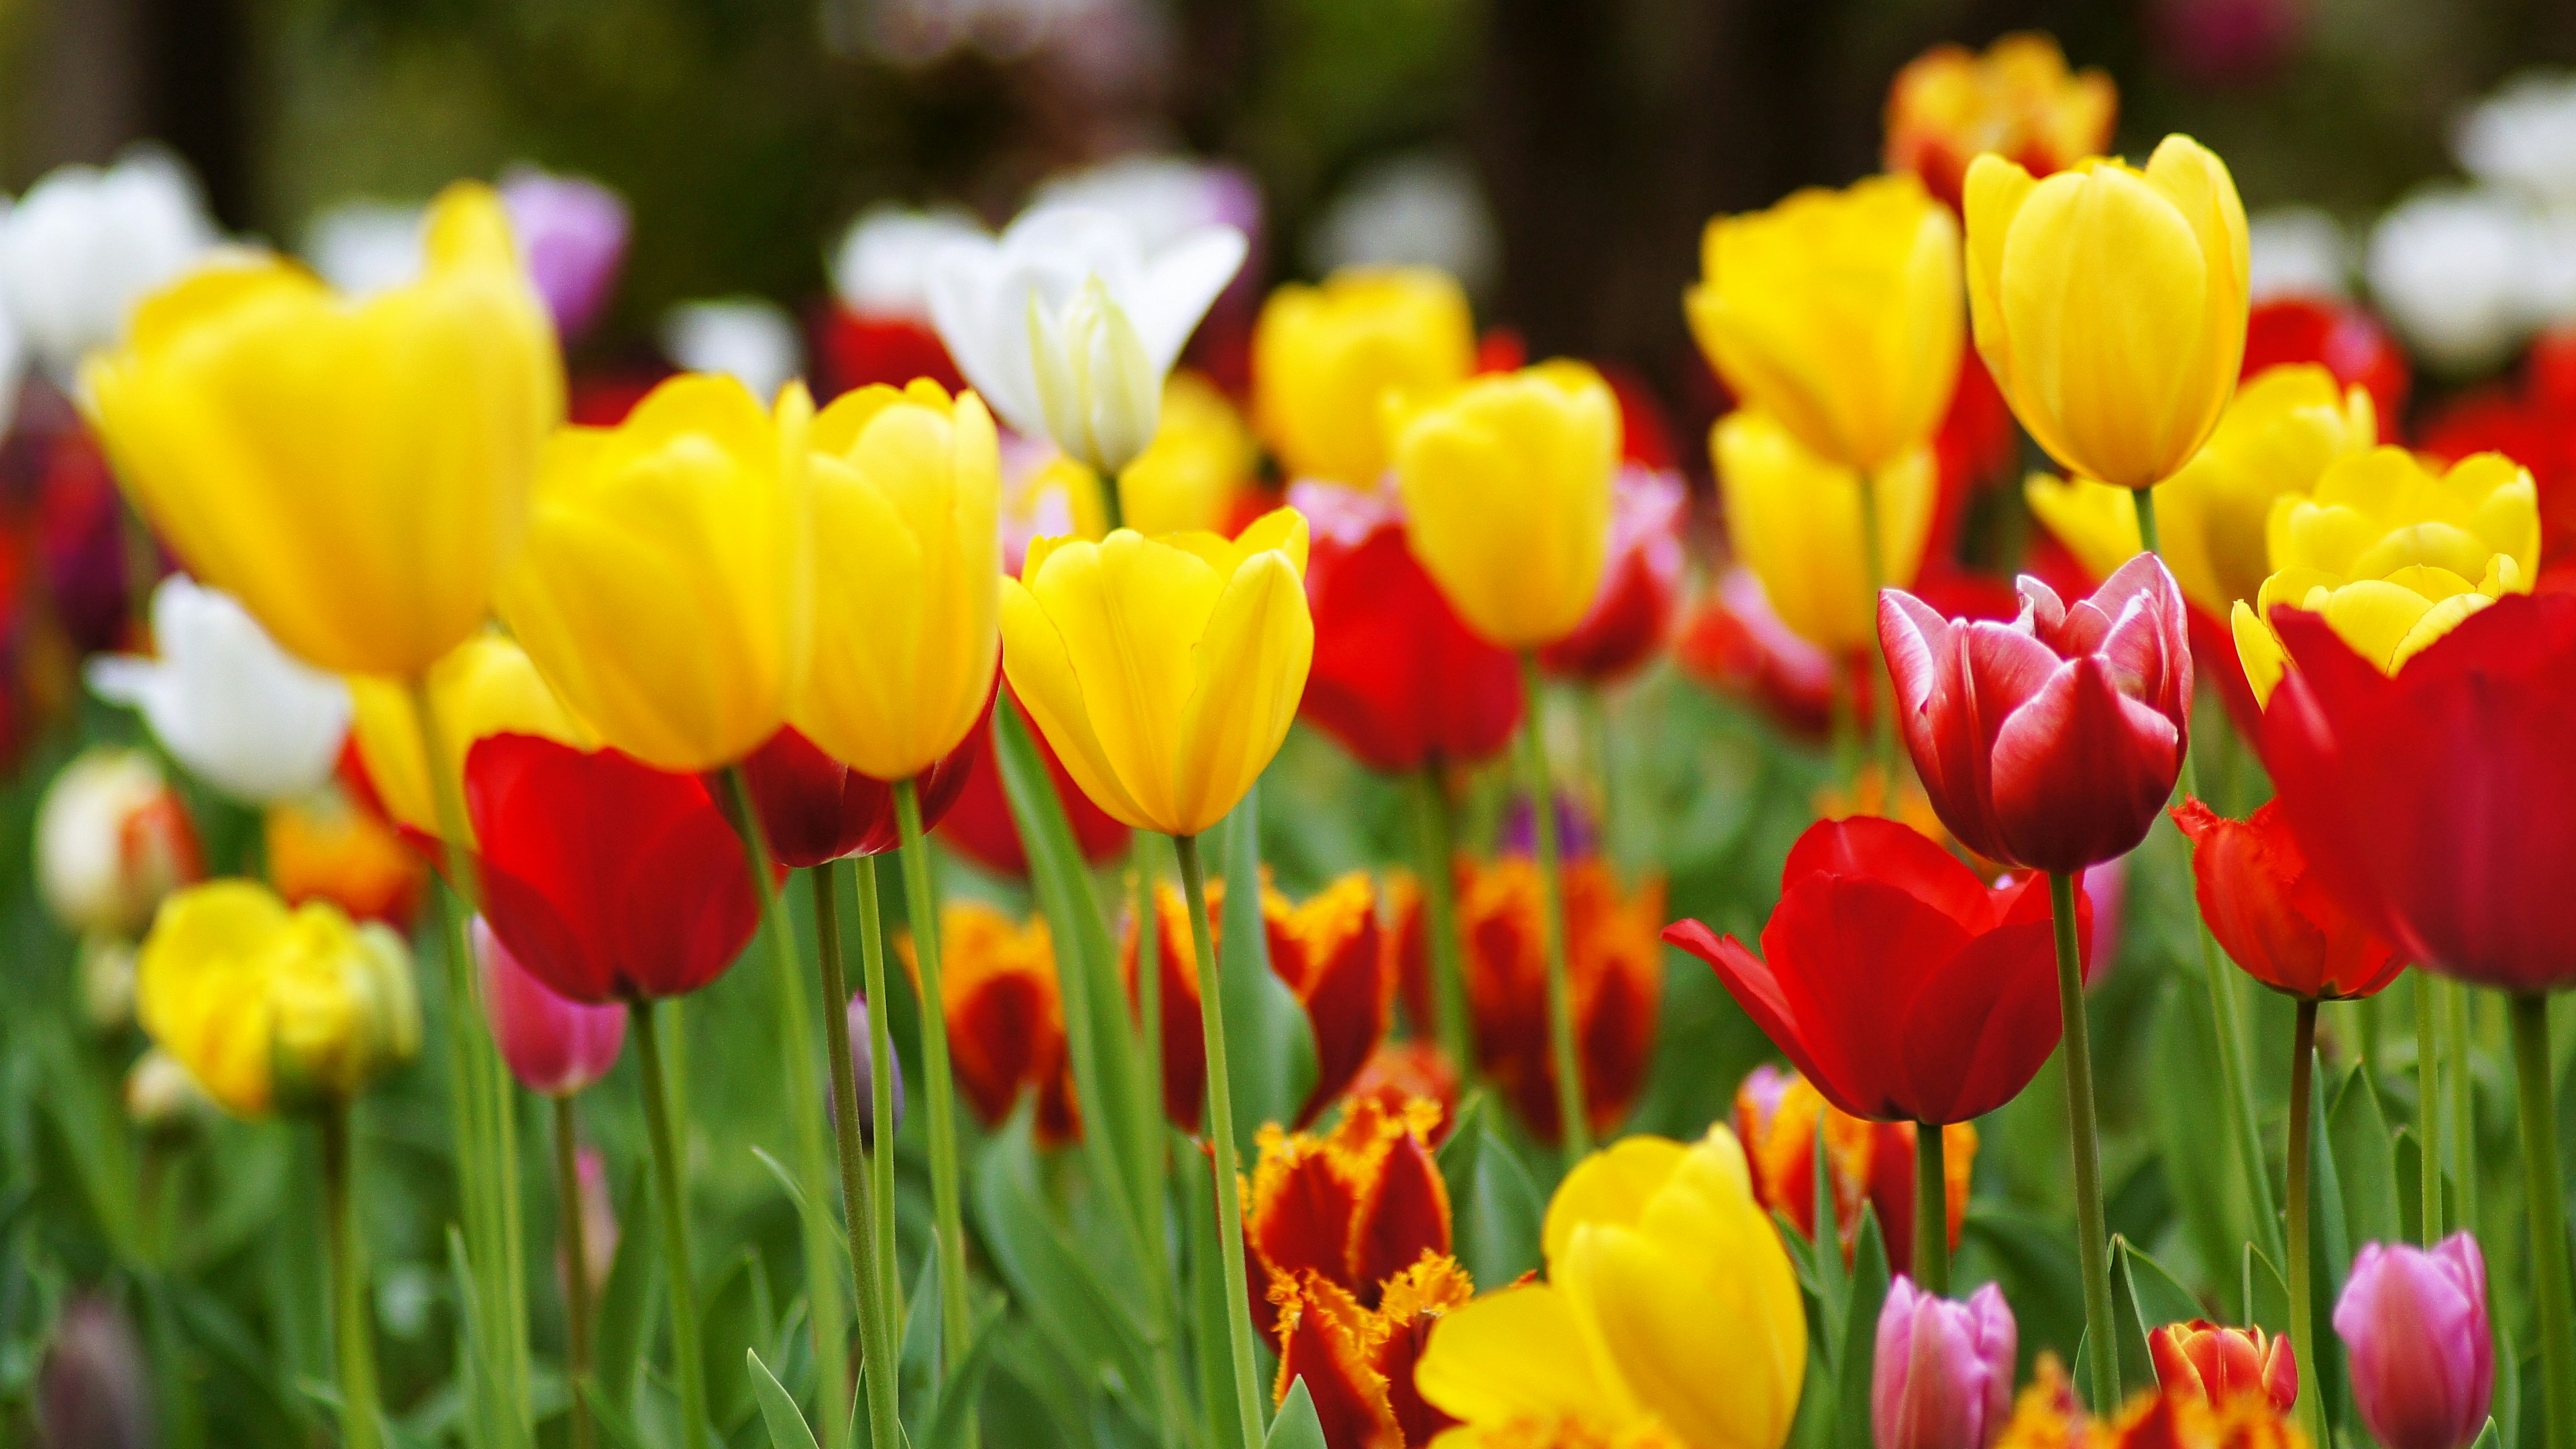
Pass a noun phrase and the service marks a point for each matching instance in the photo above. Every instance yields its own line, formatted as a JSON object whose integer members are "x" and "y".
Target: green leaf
{"x": 815, "y": 1217}
{"x": 1269, "y": 1044}
{"x": 2488, "y": 1437}
{"x": 778, "y": 1412}
{"x": 2033, "y": 1259}
{"x": 1495, "y": 1209}
{"x": 1854, "y": 1363}
{"x": 2191, "y": 1136}
{"x": 612, "y": 1422}
{"x": 1296, "y": 1427}
{"x": 1833, "y": 1277}
{"x": 2365, "y": 1162}
{"x": 2328, "y": 1252}
{"x": 629, "y": 1304}
{"x": 951, "y": 1425}
{"x": 1050, "y": 1279}
{"x": 2156, "y": 1295}
{"x": 1209, "y": 1320}
{"x": 737, "y": 1311}
{"x": 919, "y": 1356}
{"x": 2267, "y": 1298}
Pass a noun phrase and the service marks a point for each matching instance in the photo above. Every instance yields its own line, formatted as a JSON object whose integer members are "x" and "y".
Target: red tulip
{"x": 2533, "y": 423}
{"x": 815, "y": 809}
{"x": 2050, "y": 742}
{"x": 1733, "y": 643}
{"x": 1902, "y": 985}
{"x": 856, "y": 350}
{"x": 2220, "y": 1363}
{"x": 2252, "y": 882}
{"x": 1641, "y": 590}
{"x": 1397, "y": 679}
{"x": 2439, "y": 806}
{"x": 2345, "y": 339}
{"x": 605, "y": 877}
{"x": 978, "y": 818}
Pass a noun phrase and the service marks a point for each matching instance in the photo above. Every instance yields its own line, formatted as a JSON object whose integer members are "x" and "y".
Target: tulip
{"x": 1401, "y": 1072}
{"x": 1659, "y": 1265}
{"x": 554, "y": 1046}
{"x": 1359, "y": 1363}
{"x": 572, "y": 233}
{"x": 2414, "y": 1327}
{"x": 1325, "y": 357}
{"x": 1837, "y": 313}
{"x": 356, "y": 473}
{"x": 1067, "y": 325}
{"x": 329, "y": 847}
{"x": 751, "y": 340}
{"x": 2393, "y": 556}
{"x": 664, "y": 589}
{"x": 979, "y": 825}
{"x": 1734, "y": 644}
{"x": 85, "y": 244}
{"x": 2048, "y": 1416}
{"x": 485, "y": 686}
{"x": 112, "y": 841}
{"x": 1356, "y": 1206}
{"x": 225, "y": 701}
{"x": 1004, "y": 1007}
{"x": 1641, "y": 586}
{"x": 2457, "y": 272}
{"x": 93, "y": 1389}
{"x": 2222, "y": 1363}
{"x": 161, "y": 1093}
{"x": 1796, "y": 520}
{"x": 1875, "y": 1165}
{"x": 2343, "y": 338}
{"x": 813, "y": 809}
{"x": 881, "y": 268}
{"x": 1201, "y": 469}
{"x": 1943, "y": 1371}
{"x": 2252, "y": 882}
{"x": 2109, "y": 303}
{"x": 855, "y": 1022}
{"x": 2018, "y": 99}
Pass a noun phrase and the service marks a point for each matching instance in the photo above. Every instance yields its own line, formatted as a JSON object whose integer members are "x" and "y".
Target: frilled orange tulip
{"x": 1403, "y": 1071}
{"x": 1357, "y": 1363}
{"x": 1614, "y": 958}
{"x": 1353, "y": 1207}
{"x": 2018, "y": 99}
{"x": 1005, "y": 1011}
{"x": 2048, "y": 1416}
{"x": 329, "y": 847}
{"x": 1778, "y": 1114}
{"x": 2280, "y": 926}
{"x": 2223, "y": 1363}
{"x": 1329, "y": 949}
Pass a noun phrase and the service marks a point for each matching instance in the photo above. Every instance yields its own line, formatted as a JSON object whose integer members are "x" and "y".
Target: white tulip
{"x": 2524, "y": 136}
{"x": 2458, "y": 273}
{"x": 742, "y": 337}
{"x": 227, "y": 703}
{"x": 2298, "y": 251}
{"x": 1163, "y": 198}
{"x": 363, "y": 247}
{"x": 1111, "y": 314}
{"x": 84, "y": 245}
{"x": 882, "y": 266}
{"x": 111, "y": 841}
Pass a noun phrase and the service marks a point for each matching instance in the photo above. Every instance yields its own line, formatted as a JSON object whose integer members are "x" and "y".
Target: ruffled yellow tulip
{"x": 1669, "y": 1315}
{"x": 2109, "y": 303}
{"x": 485, "y": 686}
{"x": 1506, "y": 489}
{"x": 907, "y": 619}
{"x": 1200, "y": 461}
{"x": 1838, "y": 313}
{"x": 270, "y": 1007}
{"x": 665, "y": 590}
{"x": 1164, "y": 671}
{"x": 2393, "y": 555}
{"x": 356, "y": 472}
{"x": 1323, "y": 358}
{"x": 2274, "y": 441}
{"x": 1794, "y": 519}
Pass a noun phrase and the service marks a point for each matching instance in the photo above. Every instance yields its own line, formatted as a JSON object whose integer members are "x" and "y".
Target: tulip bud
{"x": 1944, "y": 1370}
{"x": 111, "y": 840}
{"x": 863, "y": 1064}
{"x": 1102, "y": 396}
{"x": 598, "y": 1217}
{"x": 572, "y": 235}
{"x": 93, "y": 1391}
{"x": 2414, "y": 1327}
{"x": 2220, "y": 1363}
{"x": 554, "y": 1046}
{"x": 106, "y": 981}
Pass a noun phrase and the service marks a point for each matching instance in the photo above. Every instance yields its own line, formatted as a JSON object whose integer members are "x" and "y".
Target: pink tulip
{"x": 2414, "y": 1324}
{"x": 1944, "y": 1370}
{"x": 554, "y": 1046}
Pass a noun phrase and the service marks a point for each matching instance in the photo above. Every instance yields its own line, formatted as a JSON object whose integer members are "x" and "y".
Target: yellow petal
{"x": 1512, "y": 1355}
{"x": 2258, "y": 650}
{"x": 1251, "y": 664}
{"x": 1610, "y": 1187}
{"x": 1042, "y": 675}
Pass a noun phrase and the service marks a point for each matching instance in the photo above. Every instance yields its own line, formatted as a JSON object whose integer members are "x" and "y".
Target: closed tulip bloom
{"x": 2220, "y": 1363}
{"x": 815, "y": 809}
{"x": 1794, "y": 519}
{"x": 2276, "y": 440}
{"x": 1506, "y": 489}
{"x": 862, "y": 1053}
{"x": 2050, "y": 742}
{"x": 112, "y": 841}
{"x": 239, "y": 712}
{"x": 1359, "y": 1363}
{"x": 553, "y": 1045}
{"x": 1837, "y": 313}
{"x": 1165, "y": 671}
{"x": 573, "y": 230}
{"x": 906, "y": 621}
{"x": 1641, "y": 588}
{"x": 1951, "y": 104}
{"x": 2109, "y": 304}
{"x": 1668, "y": 1315}
{"x": 665, "y": 590}
{"x": 1004, "y": 1006}
{"x": 2414, "y": 1329}
{"x": 1942, "y": 1377}
{"x": 2342, "y": 337}
{"x": 1325, "y": 357}
{"x": 2275, "y": 921}
{"x": 355, "y": 472}
{"x": 485, "y": 686}
{"x": 2393, "y": 555}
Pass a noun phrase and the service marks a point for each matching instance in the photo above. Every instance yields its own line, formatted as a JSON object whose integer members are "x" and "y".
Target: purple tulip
{"x": 860, "y": 1057}
{"x": 572, "y": 231}
{"x": 2415, "y": 1326}
{"x": 554, "y": 1046}
{"x": 92, "y": 1392}
{"x": 1944, "y": 1370}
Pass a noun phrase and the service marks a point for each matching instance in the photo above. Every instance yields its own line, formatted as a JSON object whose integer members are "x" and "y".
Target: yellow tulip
{"x": 1506, "y": 489}
{"x": 2393, "y": 555}
{"x": 2109, "y": 303}
{"x": 1794, "y": 519}
{"x": 2274, "y": 441}
{"x": 356, "y": 472}
{"x": 271, "y": 1007}
{"x": 1198, "y": 464}
{"x": 1838, "y": 313}
{"x": 1669, "y": 1315}
{"x": 485, "y": 686}
{"x": 665, "y": 590}
{"x": 1164, "y": 671}
{"x": 1323, "y": 358}
{"x": 907, "y": 618}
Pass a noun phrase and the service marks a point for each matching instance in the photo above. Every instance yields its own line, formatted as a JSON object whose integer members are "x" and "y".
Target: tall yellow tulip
{"x": 355, "y": 471}
{"x": 485, "y": 686}
{"x": 665, "y": 590}
{"x": 1795, "y": 520}
{"x": 2393, "y": 555}
{"x": 1164, "y": 671}
{"x": 1838, "y": 313}
{"x": 2274, "y": 441}
{"x": 1323, "y": 358}
{"x": 2109, "y": 303}
{"x": 1669, "y": 1315}
{"x": 1506, "y": 489}
{"x": 907, "y": 615}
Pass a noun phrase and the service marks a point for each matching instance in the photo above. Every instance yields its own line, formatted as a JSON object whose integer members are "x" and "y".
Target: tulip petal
{"x": 1517, "y": 1354}
{"x": 1042, "y": 674}
{"x": 2082, "y": 770}
{"x": 1250, "y": 662}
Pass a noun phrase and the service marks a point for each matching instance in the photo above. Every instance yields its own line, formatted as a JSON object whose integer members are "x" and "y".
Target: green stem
{"x": 876, "y": 1329}
{"x": 921, "y": 904}
{"x": 360, "y": 1414}
{"x": 881, "y": 1089}
{"x": 2092, "y": 1239}
{"x": 1433, "y": 849}
{"x": 2428, "y": 1100}
{"x": 1574, "y": 1128}
{"x": 2303, "y": 1344}
{"x": 2463, "y": 1079}
{"x": 688, "y": 1362}
{"x": 1220, "y": 1132}
{"x": 576, "y": 1267}
{"x": 142, "y": 561}
{"x": 2144, "y": 500}
{"x": 1873, "y": 551}
{"x": 2548, "y": 1216}
{"x": 1931, "y": 1211}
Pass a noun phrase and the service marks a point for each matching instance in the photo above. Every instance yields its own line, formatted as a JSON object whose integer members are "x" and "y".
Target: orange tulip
{"x": 1357, "y": 1363}
{"x": 1005, "y": 1013}
{"x": 1354, "y": 1207}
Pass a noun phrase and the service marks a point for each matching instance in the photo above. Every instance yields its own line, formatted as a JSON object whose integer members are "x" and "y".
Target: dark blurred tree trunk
{"x": 112, "y": 72}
